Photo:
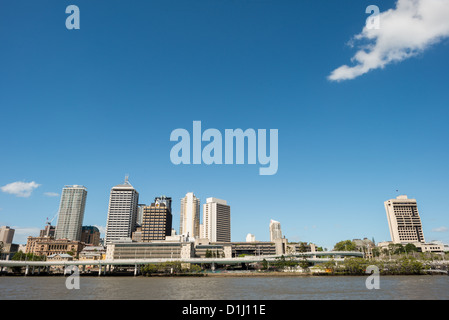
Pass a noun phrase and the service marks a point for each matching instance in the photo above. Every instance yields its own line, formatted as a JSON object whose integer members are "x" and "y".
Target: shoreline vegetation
{"x": 283, "y": 267}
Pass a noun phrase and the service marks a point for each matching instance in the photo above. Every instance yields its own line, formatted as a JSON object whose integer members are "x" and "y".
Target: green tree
{"x": 302, "y": 247}
{"x": 355, "y": 265}
{"x": 328, "y": 266}
{"x": 410, "y": 247}
{"x": 410, "y": 266}
{"x": 20, "y": 256}
{"x": 194, "y": 268}
{"x": 345, "y": 245}
{"x": 264, "y": 264}
{"x": 280, "y": 263}
{"x": 376, "y": 252}
{"x": 304, "y": 264}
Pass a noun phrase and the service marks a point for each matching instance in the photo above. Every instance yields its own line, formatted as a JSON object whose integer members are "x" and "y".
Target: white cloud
{"x": 440, "y": 229}
{"x": 409, "y": 29}
{"x": 51, "y": 194}
{"x": 22, "y": 233}
{"x": 20, "y": 189}
{"x": 101, "y": 229}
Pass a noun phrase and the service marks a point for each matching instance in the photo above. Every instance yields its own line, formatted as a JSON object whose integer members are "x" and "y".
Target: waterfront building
{"x": 258, "y": 248}
{"x": 404, "y": 220}
{"x": 157, "y": 220}
{"x": 8, "y": 251}
{"x": 71, "y": 213}
{"x": 92, "y": 253}
{"x": 300, "y": 247}
{"x": 149, "y": 250}
{"x": 190, "y": 216}
{"x": 59, "y": 257}
{"x": 275, "y": 230}
{"x": 122, "y": 212}
{"x": 6, "y": 234}
{"x": 207, "y": 249}
{"x": 433, "y": 246}
{"x": 45, "y": 246}
{"x": 216, "y": 220}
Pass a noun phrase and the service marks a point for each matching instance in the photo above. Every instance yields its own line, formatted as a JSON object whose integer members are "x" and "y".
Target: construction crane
{"x": 49, "y": 222}
{"x": 48, "y": 225}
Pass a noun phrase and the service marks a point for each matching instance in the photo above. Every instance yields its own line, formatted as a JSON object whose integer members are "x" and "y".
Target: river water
{"x": 226, "y": 288}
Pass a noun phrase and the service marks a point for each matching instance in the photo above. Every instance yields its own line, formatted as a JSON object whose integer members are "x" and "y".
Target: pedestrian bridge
{"x": 313, "y": 257}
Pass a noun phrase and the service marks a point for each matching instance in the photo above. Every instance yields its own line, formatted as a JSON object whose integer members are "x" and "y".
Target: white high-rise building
{"x": 275, "y": 230}
{"x": 122, "y": 212}
{"x": 250, "y": 237}
{"x": 71, "y": 213}
{"x": 216, "y": 220}
{"x": 404, "y": 220}
{"x": 190, "y": 216}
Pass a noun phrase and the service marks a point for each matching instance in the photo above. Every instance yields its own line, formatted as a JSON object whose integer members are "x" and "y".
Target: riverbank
{"x": 254, "y": 274}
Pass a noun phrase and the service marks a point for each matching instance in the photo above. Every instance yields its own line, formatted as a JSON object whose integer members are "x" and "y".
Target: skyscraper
{"x": 6, "y": 234}
{"x": 275, "y": 230}
{"x": 140, "y": 207}
{"x": 190, "y": 216}
{"x": 122, "y": 212}
{"x": 157, "y": 220}
{"x": 216, "y": 220}
{"x": 90, "y": 235}
{"x": 71, "y": 213}
{"x": 404, "y": 220}
{"x": 250, "y": 238}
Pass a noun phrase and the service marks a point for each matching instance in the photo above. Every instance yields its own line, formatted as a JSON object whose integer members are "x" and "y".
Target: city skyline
{"x": 274, "y": 227}
{"x": 76, "y": 106}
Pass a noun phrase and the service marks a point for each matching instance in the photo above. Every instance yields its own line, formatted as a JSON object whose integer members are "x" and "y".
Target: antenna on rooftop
{"x": 127, "y": 179}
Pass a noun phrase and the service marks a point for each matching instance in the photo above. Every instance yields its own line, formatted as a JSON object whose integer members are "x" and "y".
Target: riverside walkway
{"x": 313, "y": 257}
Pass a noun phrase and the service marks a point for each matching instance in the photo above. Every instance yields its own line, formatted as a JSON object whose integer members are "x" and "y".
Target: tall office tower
{"x": 165, "y": 200}
{"x": 6, "y": 234}
{"x": 403, "y": 220}
{"x": 216, "y": 220}
{"x": 157, "y": 220}
{"x": 71, "y": 213}
{"x": 275, "y": 230}
{"x": 250, "y": 237}
{"x": 90, "y": 235}
{"x": 140, "y": 207}
{"x": 190, "y": 216}
{"x": 122, "y": 212}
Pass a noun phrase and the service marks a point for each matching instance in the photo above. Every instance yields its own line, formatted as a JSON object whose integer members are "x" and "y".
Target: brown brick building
{"x": 45, "y": 246}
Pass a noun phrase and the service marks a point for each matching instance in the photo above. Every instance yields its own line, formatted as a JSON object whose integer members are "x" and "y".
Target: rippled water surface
{"x": 226, "y": 288}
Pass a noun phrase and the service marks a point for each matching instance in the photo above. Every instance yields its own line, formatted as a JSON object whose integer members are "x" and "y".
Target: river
{"x": 226, "y": 288}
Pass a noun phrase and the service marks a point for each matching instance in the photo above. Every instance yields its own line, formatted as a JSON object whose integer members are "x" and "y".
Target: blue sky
{"x": 89, "y": 106}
